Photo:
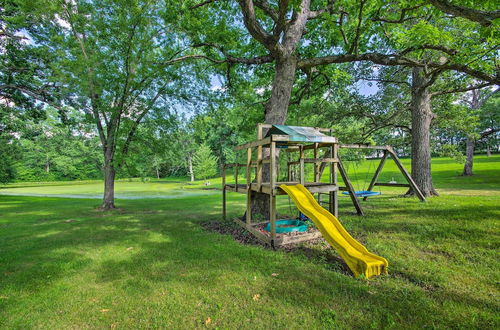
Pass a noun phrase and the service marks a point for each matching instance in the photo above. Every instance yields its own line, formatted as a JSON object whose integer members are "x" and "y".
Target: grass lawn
{"x": 63, "y": 264}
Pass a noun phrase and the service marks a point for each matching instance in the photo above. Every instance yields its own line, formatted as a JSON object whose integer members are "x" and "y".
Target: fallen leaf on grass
{"x": 70, "y": 220}
{"x": 130, "y": 248}
{"x": 104, "y": 310}
{"x": 208, "y": 321}
{"x": 114, "y": 325}
{"x": 256, "y": 297}
{"x": 274, "y": 274}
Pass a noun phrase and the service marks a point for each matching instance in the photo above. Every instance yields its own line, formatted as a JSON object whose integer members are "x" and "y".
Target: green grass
{"x": 63, "y": 264}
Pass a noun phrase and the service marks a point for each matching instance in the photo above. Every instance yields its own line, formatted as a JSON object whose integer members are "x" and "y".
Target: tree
{"x": 117, "y": 61}
{"x": 489, "y": 122}
{"x": 204, "y": 162}
{"x": 299, "y": 38}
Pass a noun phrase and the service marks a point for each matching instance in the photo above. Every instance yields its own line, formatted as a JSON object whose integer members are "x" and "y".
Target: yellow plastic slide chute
{"x": 356, "y": 256}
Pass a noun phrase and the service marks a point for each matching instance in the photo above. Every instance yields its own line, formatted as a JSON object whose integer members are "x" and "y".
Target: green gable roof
{"x": 300, "y": 133}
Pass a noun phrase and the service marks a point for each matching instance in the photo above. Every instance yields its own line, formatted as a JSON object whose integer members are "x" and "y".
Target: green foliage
{"x": 9, "y": 152}
{"x": 204, "y": 162}
{"x": 451, "y": 151}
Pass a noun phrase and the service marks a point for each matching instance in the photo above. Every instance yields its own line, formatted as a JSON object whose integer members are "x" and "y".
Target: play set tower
{"x": 295, "y": 147}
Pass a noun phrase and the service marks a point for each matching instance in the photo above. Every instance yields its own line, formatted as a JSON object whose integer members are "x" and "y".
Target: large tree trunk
{"x": 109, "y": 182}
{"x": 276, "y": 110}
{"x": 421, "y": 118}
{"x": 471, "y": 144}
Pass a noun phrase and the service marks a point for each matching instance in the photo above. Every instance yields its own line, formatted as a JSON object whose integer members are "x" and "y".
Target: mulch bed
{"x": 318, "y": 249}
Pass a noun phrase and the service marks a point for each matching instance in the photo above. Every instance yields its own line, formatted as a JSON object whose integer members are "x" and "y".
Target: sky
{"x": 363, "y": 86}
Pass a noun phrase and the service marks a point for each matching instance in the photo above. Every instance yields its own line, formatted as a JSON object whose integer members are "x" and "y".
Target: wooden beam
{"x": 301, "y": 163}
{"x": 297, "y": 238}
{"x": 407, "y": 175}
{"x": 253, "y": 144}
{"x": 363, "y": 146}
{"x": 260, "y": 133}
{"x": 388, "y": 184}
{"x": 316, "y": 169}
{"x": 320, "y": 145}
{"x": 241, "y": 188}
{"x": 377, "y": 173}
{"x": 315, "y": 161}
{"x": 350, "y": 189}
{"x": 260, "y": 236}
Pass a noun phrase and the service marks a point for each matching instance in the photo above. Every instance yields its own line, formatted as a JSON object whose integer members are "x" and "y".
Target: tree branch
{"x": 402, "y": 17}
{"x": 354, "y": 45}
{"x": 485, "y": 18}
{"x": 315, "y": 13}
{"x": 255, "y": 28}
{"x": 241, "y": 60}
{"x": 488, "y": 132}
{"x": 462, "y": 90}
{"x": 267, "y": 9}
{"x": 201, "y": 4}
{"x": 297, "y": 26}
{"x": 394, "y": 60}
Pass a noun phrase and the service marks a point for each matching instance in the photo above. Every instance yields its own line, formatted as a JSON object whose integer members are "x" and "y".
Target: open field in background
{"x": 446, "y": 174}
{"x": 63, "y": 264}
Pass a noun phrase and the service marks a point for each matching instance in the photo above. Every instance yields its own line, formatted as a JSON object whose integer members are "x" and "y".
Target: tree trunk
{"x": 47, "y": 164}
{"x": 421, "y": 118}
{"x": 471, "y": 144}
{"x": 109, "y": 182}
{"x": 157, "y": 173}
{"x": 488, "y": 151}
{"x": 276, "y": 110}
{"x": 190, "y": 167}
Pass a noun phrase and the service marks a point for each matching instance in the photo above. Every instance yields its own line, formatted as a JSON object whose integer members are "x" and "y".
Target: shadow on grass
{"x": 161, "y": 241}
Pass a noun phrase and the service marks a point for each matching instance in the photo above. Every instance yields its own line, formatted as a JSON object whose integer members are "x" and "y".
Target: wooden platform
{"x": 265, "y": 187}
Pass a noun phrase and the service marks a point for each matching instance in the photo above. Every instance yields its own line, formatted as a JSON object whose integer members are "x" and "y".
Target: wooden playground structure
{"x": 294, "y": 140}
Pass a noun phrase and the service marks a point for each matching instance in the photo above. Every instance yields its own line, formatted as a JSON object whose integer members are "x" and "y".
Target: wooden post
{"x": 316, "y": 169}
{"x": 350, "y": 188}
{"x": 334, "y": 200}
{"x": 407, "y": 175}
{"x": 272, "y": 196}
{"x": 223, "y": 192}
{"x": 259, "y": 157}
{"x": 302, "y": 172}
{"x": 377, "y": 173}
{"x": 249, "y": 186}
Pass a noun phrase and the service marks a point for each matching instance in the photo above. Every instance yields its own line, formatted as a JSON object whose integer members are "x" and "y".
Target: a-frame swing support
{"x": 388, "y": 151}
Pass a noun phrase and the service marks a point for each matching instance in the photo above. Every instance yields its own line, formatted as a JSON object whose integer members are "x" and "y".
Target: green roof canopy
{"x": 300, "y": 134}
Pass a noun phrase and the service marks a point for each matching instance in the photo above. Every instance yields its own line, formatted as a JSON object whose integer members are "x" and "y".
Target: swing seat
{"x": 363, "y": 193}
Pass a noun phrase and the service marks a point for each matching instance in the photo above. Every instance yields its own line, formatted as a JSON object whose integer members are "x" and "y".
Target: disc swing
{"x": 362, "y": 192}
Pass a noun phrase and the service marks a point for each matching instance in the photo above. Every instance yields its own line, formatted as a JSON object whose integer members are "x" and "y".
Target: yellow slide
{"x": 356, "y": 256}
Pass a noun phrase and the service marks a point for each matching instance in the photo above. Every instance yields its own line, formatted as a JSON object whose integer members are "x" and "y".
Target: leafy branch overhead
{"x": 282, "y": 29}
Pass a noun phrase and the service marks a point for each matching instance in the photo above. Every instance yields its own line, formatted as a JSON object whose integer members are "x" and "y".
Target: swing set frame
{"x": 297, "y": 140}
{"x": 387, "y": 151}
